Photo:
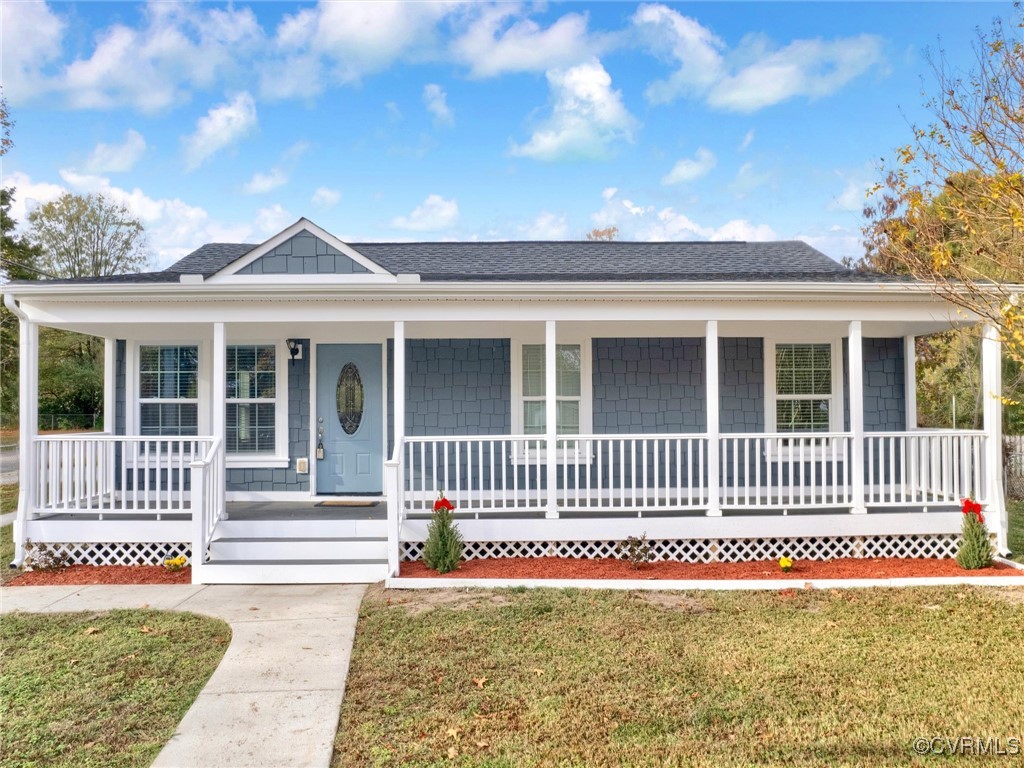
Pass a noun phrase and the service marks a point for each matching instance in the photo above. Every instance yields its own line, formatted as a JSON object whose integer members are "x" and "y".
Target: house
{"x": 288, "y": 411}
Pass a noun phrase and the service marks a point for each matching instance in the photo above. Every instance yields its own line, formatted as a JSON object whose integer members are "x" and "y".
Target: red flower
{"x": 972, "y": 508}
{"x": 443, "y": 503}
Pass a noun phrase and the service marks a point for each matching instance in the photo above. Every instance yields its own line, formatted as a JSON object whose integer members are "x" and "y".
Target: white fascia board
{"x": 302, "y": 225}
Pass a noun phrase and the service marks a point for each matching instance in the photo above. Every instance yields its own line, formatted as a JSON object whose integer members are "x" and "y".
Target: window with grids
{"x": 803, "y": 387}
{"x": 568, "y": 392}
{"x": 168, "y": 390}
{"x": 251, "y": 407}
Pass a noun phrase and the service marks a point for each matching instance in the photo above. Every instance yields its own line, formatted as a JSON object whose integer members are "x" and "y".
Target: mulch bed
{"x": 609, "y": 568}
{"x": 103, "y": 574}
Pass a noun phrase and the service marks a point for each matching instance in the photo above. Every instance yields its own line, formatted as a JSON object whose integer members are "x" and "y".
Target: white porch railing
{"x": 108, "y": 475}
{"x": 208, "y": 505}
{"x": 924, "y": 467}
{"x": 640, "y": 474}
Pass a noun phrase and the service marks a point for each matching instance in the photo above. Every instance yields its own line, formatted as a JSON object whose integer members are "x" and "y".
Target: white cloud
{"x": 28, "y": 194}
{"x": 436, "y": 101}
{"x": 394, "y": 113}
{"x": 547, "y": 226}
{"x": 261, "y": 183}
{"x": 648, "y": 223}
{"x": 272, "y": 219}
{"x": 432, "y": 214}
{"x": 117, "y": 158}
{"x": 222, "y": 126}
{"x": 754, "y": 75}
{"x": 587, "y": 116}
{"x": 747, "y": 140}
{"x": 179, "y": 47}
{"x": 491, "y": 46}
{"x": 853, "y": 198}
{"x": 609, "y": 192}
{"x": 747, "y": 180}
{"x": 836, "y": 242}
{"x": 689, "y": 169}
{"x": 31, "y": 36}
{"x": 325, "y": 197}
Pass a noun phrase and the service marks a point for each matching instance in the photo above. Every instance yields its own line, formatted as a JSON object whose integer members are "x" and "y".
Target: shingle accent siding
{"x": 304, "y": 254}
{"x": 741, "y": 385}
{"x": 255, "y": 480}
{"x": 885, "y": 406}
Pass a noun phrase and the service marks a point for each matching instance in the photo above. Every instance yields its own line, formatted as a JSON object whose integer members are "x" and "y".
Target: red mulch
{"x": 103, "y": 574}
{"x": 609, "y": 568}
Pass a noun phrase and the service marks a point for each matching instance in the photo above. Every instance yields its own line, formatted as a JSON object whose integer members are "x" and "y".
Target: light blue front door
{"x": 349, "y": 419}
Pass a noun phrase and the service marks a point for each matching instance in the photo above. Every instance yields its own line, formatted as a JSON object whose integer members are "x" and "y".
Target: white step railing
{"x": 208, "y": 503}
{"x": 109, "y": 475}
{"x": 924, "y": 467}
{"x": 785, "y": 470}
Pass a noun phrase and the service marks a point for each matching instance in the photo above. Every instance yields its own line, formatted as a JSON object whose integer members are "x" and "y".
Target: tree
{"x": 88, "y": 236}
{"x": 950, "y": 208}
{"x": 6, "y": 124}
{"x": 608, "y": 233}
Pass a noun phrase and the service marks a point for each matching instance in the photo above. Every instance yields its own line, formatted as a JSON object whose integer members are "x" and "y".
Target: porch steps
{"x": 299, "y": 549}
{"x": 294, "y": 572}
{"x": 234, "y": 528}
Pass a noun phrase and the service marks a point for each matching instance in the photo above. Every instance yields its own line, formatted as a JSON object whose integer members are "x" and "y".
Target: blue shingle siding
{"x": 885, "y": 406}
{"x": 304, "y": 254}
{"x": 253, "y": 480}
{"x": 741, "y": 385}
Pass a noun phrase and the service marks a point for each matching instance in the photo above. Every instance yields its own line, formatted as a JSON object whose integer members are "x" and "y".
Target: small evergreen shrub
{"x": 975, "y": 548}
{"x": 443, "y": 547}
{"x": 636, "y": 551}
{"x": 40, "y": 556}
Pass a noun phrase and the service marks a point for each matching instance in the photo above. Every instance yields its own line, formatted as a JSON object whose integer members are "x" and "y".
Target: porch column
{"x": 910, "y": 380}
{"x": 28, "y": 427}
{"x": 856, "y": 344}
{"x": 714, "y": 425}
{"x": 219, "y": 387}
{"x": 109, "y": 384}
{"x": 399, "y": 386}
{"x": 992, "y": 410}
{"x": 551, "y": 415}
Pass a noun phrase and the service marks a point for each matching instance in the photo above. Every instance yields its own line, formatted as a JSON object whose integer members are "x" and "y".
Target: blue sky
{"x": 438, "y": 121}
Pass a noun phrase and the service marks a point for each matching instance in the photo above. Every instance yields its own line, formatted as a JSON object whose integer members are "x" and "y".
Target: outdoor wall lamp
{"x": 294, "y": 349}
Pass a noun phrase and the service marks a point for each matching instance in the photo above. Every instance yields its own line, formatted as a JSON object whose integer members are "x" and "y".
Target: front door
{"x": 349, "y": 419}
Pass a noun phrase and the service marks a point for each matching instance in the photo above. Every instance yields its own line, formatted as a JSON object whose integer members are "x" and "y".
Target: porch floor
{"x": 304, "y": 510}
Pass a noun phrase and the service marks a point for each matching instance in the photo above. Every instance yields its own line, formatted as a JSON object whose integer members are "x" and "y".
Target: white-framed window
{"x": 251, "y": 399}
{"x": 803, "y": 386}
{"x": 168, "y": 383}
{"x": 573, "y": 392}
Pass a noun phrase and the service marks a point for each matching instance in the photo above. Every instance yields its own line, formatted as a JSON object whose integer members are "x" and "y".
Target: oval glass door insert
{"x": 350, "y": 398}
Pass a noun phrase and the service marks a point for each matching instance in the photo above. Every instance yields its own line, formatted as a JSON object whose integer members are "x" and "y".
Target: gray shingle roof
{"x": 584, "y": 261}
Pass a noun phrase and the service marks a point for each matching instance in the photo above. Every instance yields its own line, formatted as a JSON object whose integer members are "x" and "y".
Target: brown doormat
{"x": 346, "y": 503}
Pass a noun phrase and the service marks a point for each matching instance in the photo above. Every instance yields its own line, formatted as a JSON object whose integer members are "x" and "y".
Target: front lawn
{"x": 86, "y": 689}
{"x": 1015, "y": 534}
{"x": 586, "y": 678}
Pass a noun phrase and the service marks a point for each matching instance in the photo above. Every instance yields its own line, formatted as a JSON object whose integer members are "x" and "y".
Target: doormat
{"x": 346, "y": 503}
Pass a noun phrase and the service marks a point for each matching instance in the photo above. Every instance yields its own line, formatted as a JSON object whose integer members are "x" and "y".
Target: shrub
{"x": 975, "y": 547}
{"x": 636, "y": 551}
{"x": 443, "y": 548}
{"x": 44, "y": 557}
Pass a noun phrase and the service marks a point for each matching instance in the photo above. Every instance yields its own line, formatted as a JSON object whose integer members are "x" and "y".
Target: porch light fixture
{"x": 294, "y": 349}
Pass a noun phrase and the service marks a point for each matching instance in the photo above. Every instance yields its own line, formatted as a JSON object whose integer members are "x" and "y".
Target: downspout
{"x": 24, "y": 438}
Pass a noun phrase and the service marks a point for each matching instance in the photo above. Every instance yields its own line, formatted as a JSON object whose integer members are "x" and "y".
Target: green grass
{"x": 1015, "y": 534}
{"x": 83, "y": 689}
{"x": 581, "y": 678}
{"x": 8, "y": 498}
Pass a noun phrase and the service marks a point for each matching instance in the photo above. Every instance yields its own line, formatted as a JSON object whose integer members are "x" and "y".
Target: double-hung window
{"x": 169, "y": 390}
{"x": 568, "y": 390}
{"x": 805, "y": 396}
{"x": 251, "y": 399}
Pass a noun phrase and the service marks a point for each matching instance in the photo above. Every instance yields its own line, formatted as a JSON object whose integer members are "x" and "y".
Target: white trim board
{"x": 673, "y": 585}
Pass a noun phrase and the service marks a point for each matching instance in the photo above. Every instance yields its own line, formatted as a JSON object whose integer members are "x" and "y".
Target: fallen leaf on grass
{"x": 482, "y": 744}
{"x": 92, "y": 630}
{"x": 479, "y": 681}
{"x": 538, "y": 672}
{"x": 147, "y": 630}
{"x": 453, "y": 752}
{"x": 453, "y": 732}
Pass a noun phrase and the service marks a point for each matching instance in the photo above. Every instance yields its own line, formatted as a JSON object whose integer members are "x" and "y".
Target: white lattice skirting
{"x": 719, "y": 550}
{"x": 121, "y": 553}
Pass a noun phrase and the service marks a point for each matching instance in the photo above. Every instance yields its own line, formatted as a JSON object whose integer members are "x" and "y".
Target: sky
{"x": 472, "y": 121}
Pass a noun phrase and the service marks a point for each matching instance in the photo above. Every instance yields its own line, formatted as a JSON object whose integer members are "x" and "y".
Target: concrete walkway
{"x": 274, "y": 700}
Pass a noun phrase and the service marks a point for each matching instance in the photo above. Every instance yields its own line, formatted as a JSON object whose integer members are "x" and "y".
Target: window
{"x": 804, "y": 399}
{"x": 570, "y": 374}
{"x": 251, "y": 407}
{"x": 169, "y": 390}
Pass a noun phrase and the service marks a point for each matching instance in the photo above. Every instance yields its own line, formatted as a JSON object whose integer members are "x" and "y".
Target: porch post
{"x": 219, "y": 387}
{"x": 109, "y": 384}
{"x": 856, "y": 356}
{"x": 399, "y": 374}
{"x": 714, "y": 425}
{"x": 910, "y": 380}
{"x": 28, "y": 427}
{"x": 394, "y": 470}
{"x": 992, "y": 409}
{"x": 551, "y": 415}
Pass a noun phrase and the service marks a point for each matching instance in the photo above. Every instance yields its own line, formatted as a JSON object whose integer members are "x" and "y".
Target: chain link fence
{"x": 1013, "y": 466}
{"x": 60, "y": 422}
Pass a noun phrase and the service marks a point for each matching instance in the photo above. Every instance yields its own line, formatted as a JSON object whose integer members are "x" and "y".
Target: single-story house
{"x": 289, "y": 411}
